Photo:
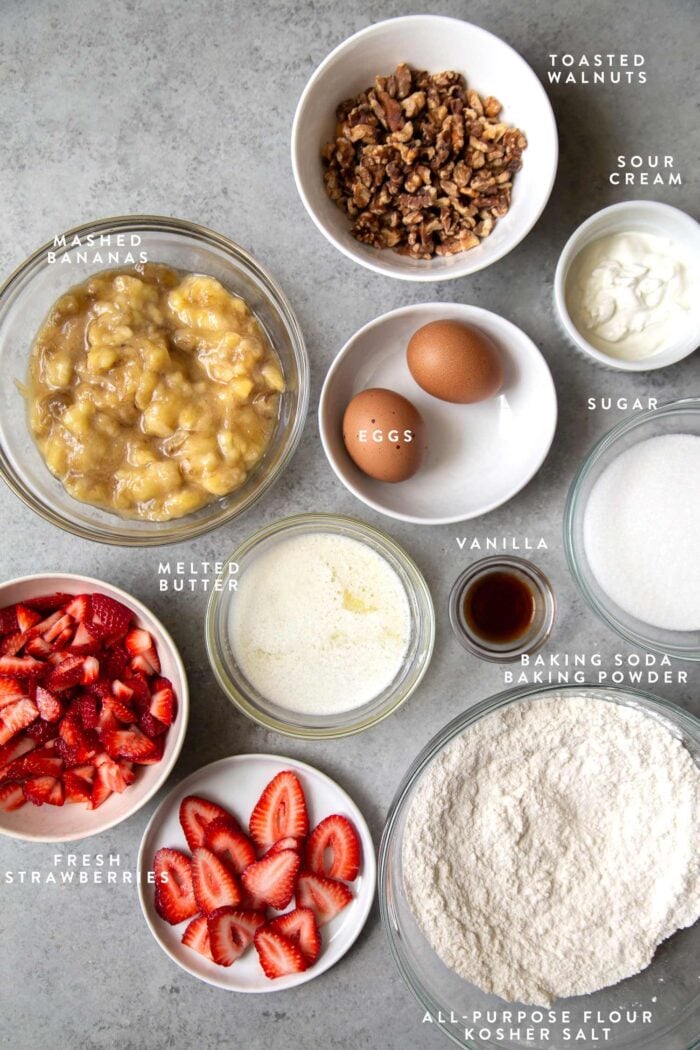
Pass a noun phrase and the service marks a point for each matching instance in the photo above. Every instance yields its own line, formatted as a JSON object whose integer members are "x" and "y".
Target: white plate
{"x": 237, "y": 783}
{"x": 479, "y": 456}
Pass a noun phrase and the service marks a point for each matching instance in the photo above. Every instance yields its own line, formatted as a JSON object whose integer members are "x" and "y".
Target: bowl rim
{"x": 473, "y": 313}
{"x": 368, "y": 261}
{"x": 664, "y": 711}
{"x": 183, "y": 698}
{"x": 682, "y": 347}
{"x": 571, "y": 509}
{"x": 421, "y": 593}
{"x": 241, "y": 258}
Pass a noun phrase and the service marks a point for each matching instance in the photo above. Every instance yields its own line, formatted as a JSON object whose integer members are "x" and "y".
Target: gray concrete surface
{"x": 184, "y": 108}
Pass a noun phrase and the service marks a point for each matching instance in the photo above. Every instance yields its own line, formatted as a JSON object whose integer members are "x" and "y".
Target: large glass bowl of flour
{"x": 656, "y": 1009}
{"x": 632, "y": 529}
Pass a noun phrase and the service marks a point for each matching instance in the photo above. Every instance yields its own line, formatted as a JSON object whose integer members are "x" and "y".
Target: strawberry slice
{"x": 50, "y": 707}
{"x": 11, "y": 690}
{"x": 68, "y": 673}
{"x": 26, "y": 617}
{"x": 20, "y": 667}
{"x": 110, "y": 617}
{"x": 215, "y": 885}
{"x": 224, "y": 838}
{"x": 37, "y": 647}
{"x": 140, "y": 647}
{"x": 280, "y": 812}
{"x": 273, "y": 878}
{"x": 12, "y": 643}
{"x": 196, "y": 937}
{"x": 44, "y": 791}
{"x": 12, "y": 797}
{"x": 116, "y": 662}
{"x": 156, "y": 755}
{"x": 231, "y": 931}
{"x": 174, "y": 892}
{"x": 289, "y": 843}
{"x": 111, "y": 773}
{"x": 334, "y": 849}
{"x": 101, "y": 789}
{"x": 279, "y": 955}
{"x": 86, "y": 640}
{"x": 15, "y": 749}
{"x": 80, "y": 608}
{"x": 196, "y": 814}
{"x": 40, "y": 732}
{"x": 324, "y": 896}
{"x": 300, "y": 926}
{"x": 39, "y": 762}
{"x": 162, "y": 704}
{"x": 91, "y": 670}
{"x": 8, "y": 620}
{"x": 77, "y": 783}
{"x": 48, "y": 602}
{"x": 85, "y": 705}
{"x": 128, "y": 743}
{"x": 64, "y": 623}
{"x": 121, "y": 711}
{"x": 150, "y": 725}
{"x": 15, "y": 717}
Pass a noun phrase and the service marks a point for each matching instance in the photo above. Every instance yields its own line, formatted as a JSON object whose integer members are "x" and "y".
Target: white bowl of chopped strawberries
{"x": 93, "y": 706}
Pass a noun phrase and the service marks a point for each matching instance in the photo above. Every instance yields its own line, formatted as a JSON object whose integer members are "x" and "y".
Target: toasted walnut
{"x": 422, "y": 165}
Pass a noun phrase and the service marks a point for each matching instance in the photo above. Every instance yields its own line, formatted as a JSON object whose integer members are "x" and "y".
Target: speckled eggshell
{"x": 384, "y": 434}
{"x": 455, "y": 362}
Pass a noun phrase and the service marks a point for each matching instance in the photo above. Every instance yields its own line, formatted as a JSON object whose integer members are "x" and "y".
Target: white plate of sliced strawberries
{"x": 257, "y": 873}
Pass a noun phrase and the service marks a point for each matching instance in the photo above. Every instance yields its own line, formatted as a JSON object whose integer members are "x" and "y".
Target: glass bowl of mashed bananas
{"x": 156, "y": 380}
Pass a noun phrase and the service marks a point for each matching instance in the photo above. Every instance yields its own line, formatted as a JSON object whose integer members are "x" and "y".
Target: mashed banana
{"x": 152, "y": 392}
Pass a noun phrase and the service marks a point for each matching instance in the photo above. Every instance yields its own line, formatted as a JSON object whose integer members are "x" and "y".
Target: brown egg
{"x": 455, "y": 362}
{"x": 384, "y": 434}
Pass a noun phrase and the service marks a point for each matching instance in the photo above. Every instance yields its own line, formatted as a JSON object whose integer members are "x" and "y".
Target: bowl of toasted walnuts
{"x": 424, "y": 148}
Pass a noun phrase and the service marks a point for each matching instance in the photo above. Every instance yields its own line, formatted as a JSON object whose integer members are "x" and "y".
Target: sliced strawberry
{"x": 8, "y": 620}
{"x": 44, "y": 791}
{"x": 122, "y": 692}
{"x": 289, "y": 843}
{"x": 273, "y": 878}
{"x": 48, "y": 602}
{"x": 300, "y": 926}
{"x": 86, "y": 640}
{"x": 110, "y": 773}
{"x": 12, "y": 643}
{"x": 42, "y": 628}
{"x": 91, "y": 670}
{"x": 215, "y": 885}
{"x": 116, "y": 662}
{"x": 279, "y": 955}
{"x": 280, "y": 812}
{"x": 196, "y": 814}
{"x": 81, "y": 744}
{"x": 37, "y": 647}
{"x": 40, "y": 732}
{"x": 64, "y": 639}
{"x": 11, "y": 797}
{"x": 196, "y": 937}
{"x": 231, "y": 931}
{"x": 85, "y": 705}
{"x": 64, "y": 623}
{"x": 138, "y": 684}
{"x": 20, "y": 667}
{"x": 127, "y": 743}
{"x": 122, "y": 712}
{"x": 334, "y": 849}
{"x": 16, "y": 717}
{"x": 174, "y": 892}
{"x": 324, "y": 896}
{"x": 68, "y": 673}
{"x": 11, "y": 690}
{"x": 156, "y": 755}
{"x": 26, "y": 617}
{"x": 78, "y": 783}
{"x": 15, "y": 749}
{"x": 101, "y": 789}
{"x": 151, "y": 726}
{"x": 225, "y": 838}
{"x": 80, "y": 607}
{"x": 36, "y": 763}
{"x": 162, "y": 704}
{"x": 50, "y": 707}
{"x": 142, "y": 651}
{"x": 110, "y": 616}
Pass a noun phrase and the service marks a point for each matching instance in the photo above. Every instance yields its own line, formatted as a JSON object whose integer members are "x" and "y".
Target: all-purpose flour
{"x": 553, "y": 846}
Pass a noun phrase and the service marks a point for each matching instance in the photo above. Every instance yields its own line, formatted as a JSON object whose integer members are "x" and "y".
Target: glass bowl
{"x": 668, "y": 990}
{"x": 25, "y": 300}
{"x": 678, "y": 417}
{"x": 310, "y": 726}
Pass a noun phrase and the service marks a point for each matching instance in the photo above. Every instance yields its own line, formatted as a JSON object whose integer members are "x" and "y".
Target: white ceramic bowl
{"x": 651, "y": 217}
{"x": 435, "y": 43}
{"x": 479, "y": 456}
{"x": 71, "y": 822}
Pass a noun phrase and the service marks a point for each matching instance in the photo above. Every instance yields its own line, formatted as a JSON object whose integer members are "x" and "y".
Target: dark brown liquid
{"x": 499, "y": 607}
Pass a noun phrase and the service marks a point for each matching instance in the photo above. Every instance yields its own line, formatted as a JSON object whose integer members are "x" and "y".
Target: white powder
{"x": 553, "y": 845}
{"x": 641, "y": 531}
{"x": 320, "y": 623}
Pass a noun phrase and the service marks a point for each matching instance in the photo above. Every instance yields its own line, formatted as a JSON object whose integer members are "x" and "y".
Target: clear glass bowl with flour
{"x": 321, "y": 626}
{"x": 632, "y": 529}
{"x": 522, "y": 814}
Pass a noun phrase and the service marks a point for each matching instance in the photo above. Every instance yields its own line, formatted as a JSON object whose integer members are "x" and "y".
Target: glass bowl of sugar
{"x": 320, "y": 626}
{"x": 632, "y": 529}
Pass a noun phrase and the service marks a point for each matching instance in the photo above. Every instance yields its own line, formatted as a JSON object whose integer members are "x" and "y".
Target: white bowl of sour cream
{"x": 627, "y": 286}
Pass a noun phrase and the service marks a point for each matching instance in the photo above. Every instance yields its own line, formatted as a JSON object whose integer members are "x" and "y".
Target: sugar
{"x": 641, "y": 531}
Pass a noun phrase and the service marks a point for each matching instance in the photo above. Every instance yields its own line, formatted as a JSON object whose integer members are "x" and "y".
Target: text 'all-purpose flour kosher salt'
{"x": 642, "y": 531}
{"x": 553, "y": 845}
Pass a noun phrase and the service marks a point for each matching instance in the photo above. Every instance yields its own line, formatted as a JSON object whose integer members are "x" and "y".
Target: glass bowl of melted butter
{"x": 156, "y": 381}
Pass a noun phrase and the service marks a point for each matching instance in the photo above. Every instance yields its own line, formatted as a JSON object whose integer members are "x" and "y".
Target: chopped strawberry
{"x": 151, "y": 726}
{"x": 11, "y": 690}
{"x": 20, "y": 667}
{"x": 196, "y": 937}
{"x": 26, "y": 617}
{"x": 195, "y": 815}
{"x": 45, "y": 790}
{"x": 86, "y": 707}
{"x": 78, "y": 783}
{"x": 116, "y": 663}
{"x": 37, "y": 647}
{"x": 121, "y": 711}
{"x": 110, "y": 616}
{"x": 279, "y": 955}
{"x": 64, "y": 623}
{"x": 231, "y": 931}
{"x": 80, "y": 607}
{"x": 215, "y": 885}
{"x": 289, "y": 843}
{"x": 174, "y": 891}
{"x": 280, "y": 811}
{"x": 81, "y": 744}
{"x": 15, "y": 749}
{"x": 273, "y": 878}
{"x": 50, "y": 707}
{"x": 156, "y": 754}
{"x": 127, "y": 743}
{"x": 101, "y": 789}
{"x": 8, "y": 620}
{"x": 36, "y": 763}
{"x": 142, "y": 651}
{"x": 40, "y": 732}
{"x": 11, "y": 797}
{"x": 68, "y": 673}
{"x": 300, "y": 926}
{"x": 138, "y": 684}
{"x": 16, "y": 717}
{"x": 324, "y": 896}
{"x": 334, "y": 849}
{"x": 91, "y": 670}
{"x": 48, "y": 602}
{"x": 122, "y": 692}
{"x": 42, "y": 628}
{"x": 110, "y": 773}
{"x": 225, "y": 838}
{"x": 86, "y": 640}
{"x": 162, "y": 704}
{"x": 12, "y": 643}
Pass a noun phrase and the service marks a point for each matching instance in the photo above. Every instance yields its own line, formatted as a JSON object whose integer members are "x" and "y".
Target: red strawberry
{"x": 195, "y": 815}
{"x": 80, "y": 607}
{"x": 122, "y": 692}
{"x": 68, "y": 673}
{"x": 101, "y": 789}
{"x": 91, "y": 670}
{"x": 86, "y": 707}
{"x": 116, "y": 662}
{"x": 78, "y": 783}
{"x": 80, "y": 744}
{"x": 174, "y": 892}
{"x": 127, "y": 743}
{"x": 41, "y": 628}
{"x": 48, "y": 602}
{"x": 26, "y": 617}
{"x": 86, "y": 640}
{"x": 11, "y": 797}
{"x": 196, "y": 937}
{"x": 12, "y": 643}
{"x": 278, "y": 954}
{"x": 138, "y": 684}
{"x": 325, "y": 897}
{"x": 289, "y": 843}
{"x": 140, "y": 647}
{"x": 122, "y": 712}
{"x": 15, "y": 717}
{"x": 50, "y": 707}
{"x": 11, "y": 690}
{"x": 44, "y": 790}
{"x": 156, "y": 754}
{"x": 64, "y": 623}
{"x": 224, "y": 838}
{"x": 20, "y": 667}
{"x": 110, "y": 617}
{"x": 162, "y": 704}
{"x": 37, "y": 647}
{"x": 300, "y": 926}
{"x": 8, "y": 620}
{"x": 280, "y": 811}
{"x": 272, "y": 879}
{"x": 151, "y": 726}
{"x": 335, "y": 836}
{"x": 231, "y": 931}
{"x": 215, "y": 885}
{"x": 110, "y": 773}
{"x": 39, "y": 762}
{"x": 40, "y": 731}
{"x": 15, "y": 749}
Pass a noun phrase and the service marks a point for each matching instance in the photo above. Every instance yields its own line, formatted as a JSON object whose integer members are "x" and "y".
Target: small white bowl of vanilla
{"x": 627, "y": 286}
